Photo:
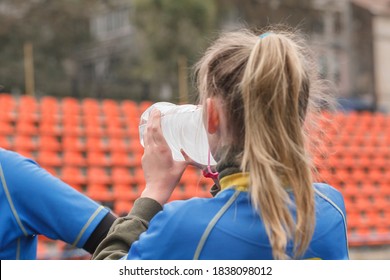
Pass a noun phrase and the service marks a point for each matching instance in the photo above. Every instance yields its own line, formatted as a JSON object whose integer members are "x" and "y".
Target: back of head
{"x": 268, "y": 85}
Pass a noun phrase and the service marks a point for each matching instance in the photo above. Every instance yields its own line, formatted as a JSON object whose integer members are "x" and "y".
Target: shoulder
{"x": 10, "y": 157}
{"x": 184, "y": 208}
{"x": 12, "y": 162}
{"x": 327, "y": 194}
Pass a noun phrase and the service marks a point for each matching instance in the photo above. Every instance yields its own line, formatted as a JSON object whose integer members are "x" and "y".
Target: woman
{"x": 256, "y": 92}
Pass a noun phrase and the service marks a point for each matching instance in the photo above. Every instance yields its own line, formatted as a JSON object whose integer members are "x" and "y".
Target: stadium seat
{"x": 90, "y": 107}
{"x": 6, "y": 128}
{"x": 73, "y": 144}
{"x": 73, "y": 175}
{"x": 49, "y": 143}
{"x": 110, "y": 108}
{"x": 49, "y": 158}
{"x": 118, "y": 145}
{"x": 70, "y": 106}
{"x": 121, "y": 159}
{"x": 26, "y": 128}
{"x": 5, "y": 143}
{"x": 122, "y": 176}
{"x": 96, "y": 144}
{"x": 99, "y": 192}
{"x": 94, "y": 130}
{"x": 115, "y": 131}
{"x": 23, "y": 142}
{"x": 125, "y": 192}
{"x": 72, "y": 130}
{"x": 73, "y": 158}
{"x": 99, "y": 176}
{"x": 97, "y": 158}
{"x": 129, "y": 109}
{"x": 49, "y": 128}
{"x": 122, "y": 207}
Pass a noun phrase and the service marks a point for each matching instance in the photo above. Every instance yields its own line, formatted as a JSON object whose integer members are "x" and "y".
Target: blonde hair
{"x": 268, "y": 84}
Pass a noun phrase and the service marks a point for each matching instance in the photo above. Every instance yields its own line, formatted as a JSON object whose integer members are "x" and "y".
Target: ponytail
{"x": 275, "y": 89}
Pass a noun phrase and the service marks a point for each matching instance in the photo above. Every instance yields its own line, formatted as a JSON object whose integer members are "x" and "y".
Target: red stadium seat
{"x": 99, "y": 176}
{"x": 49, "y": 158}
{"x": 125, "y": 192}
{"x": 99, "y": 192}
{"x": 122, "y": 176}
{"x": 96, "y": 144}
{"x": 6, "y": 128}
{"x": 122, "y": 207}
{"x": 23, "y": 142}
{"x": 74, "y": 158}
{"x": 73, "y": 175}
{"x": 117, "y": 145}
{"x": 73, "y": 144}
{"x": 98, "y": 159}
{"x": 49, "y": 143}
{"x": 121, "y": 159}
{"x": 5, "y": 142}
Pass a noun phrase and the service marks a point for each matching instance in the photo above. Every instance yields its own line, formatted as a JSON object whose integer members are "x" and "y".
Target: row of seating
{"x": 94, "y": 146}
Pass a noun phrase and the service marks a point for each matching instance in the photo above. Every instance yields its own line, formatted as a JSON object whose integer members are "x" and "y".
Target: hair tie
{"x": 262, "y": 36}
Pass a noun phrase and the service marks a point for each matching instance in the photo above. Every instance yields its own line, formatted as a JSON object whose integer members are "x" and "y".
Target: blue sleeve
{"x": 46, "y": 205}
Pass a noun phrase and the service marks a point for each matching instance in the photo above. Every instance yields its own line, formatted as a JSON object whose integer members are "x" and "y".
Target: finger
{"x": 148, "y": 135}
{"x": 157, "y": 134}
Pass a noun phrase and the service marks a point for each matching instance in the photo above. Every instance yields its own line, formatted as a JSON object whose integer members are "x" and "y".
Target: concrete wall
{"x": 381, "y": 26}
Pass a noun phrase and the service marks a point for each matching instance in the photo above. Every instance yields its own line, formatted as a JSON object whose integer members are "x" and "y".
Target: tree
{"x": 55, "y": 29}
{"x": 168, "y": 30}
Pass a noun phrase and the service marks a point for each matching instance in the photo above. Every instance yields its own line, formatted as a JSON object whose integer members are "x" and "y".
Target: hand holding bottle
{"x": 161, "y": 172}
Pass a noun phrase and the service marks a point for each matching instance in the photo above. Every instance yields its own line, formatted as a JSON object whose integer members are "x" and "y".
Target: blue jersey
{"x": 33, "y": 202}
{"x": 228, "y": 227}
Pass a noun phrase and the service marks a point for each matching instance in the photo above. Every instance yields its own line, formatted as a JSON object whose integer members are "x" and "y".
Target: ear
{"x": 212, "y": 116}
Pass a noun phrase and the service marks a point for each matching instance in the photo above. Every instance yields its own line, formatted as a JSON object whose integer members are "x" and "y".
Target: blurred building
{"x": 374, "y": 15}
{"x": 349, "y": 37}
{"x": 113, "y": 37}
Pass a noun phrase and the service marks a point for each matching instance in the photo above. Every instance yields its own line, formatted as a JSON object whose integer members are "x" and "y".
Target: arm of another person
{"x": 45, "y": 205}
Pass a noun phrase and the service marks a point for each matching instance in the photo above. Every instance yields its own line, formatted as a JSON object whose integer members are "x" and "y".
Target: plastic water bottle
{"x": 183, "y": 128}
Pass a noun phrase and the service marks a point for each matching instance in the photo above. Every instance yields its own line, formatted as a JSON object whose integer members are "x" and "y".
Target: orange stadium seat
{"x": 74, "y": 158}
{"x": 97, "y": 158}
{"x": 49, "y": 158}
{"x": 117, "y": 145}
{"x": 98, "y": 175}
{"x": 73, "y": 143}
{"x": 6, "y": 128}
{"x": 49, "y": 143}
{"x": 121, "y": 159}
{"x": 90, "y": 107}
{"x": 5, "y": 143}
{"x": 129, "y": 108}
{"x": 99, "y": 192}
{"x": 26, "y": 128}
{"x": 127, "y": 192}
{"x": 70, "y": 106}
{"x": 110, "y": 108}
{"x": 50, "y": 128}
{"x": 116, "y": 131}
{"x": 23, "y": 142}
{"x": 122, "y": 207}
{"x": 96, "y": 144}
{"x": 73, "y": 175}
{"x": 122, "y": 176}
